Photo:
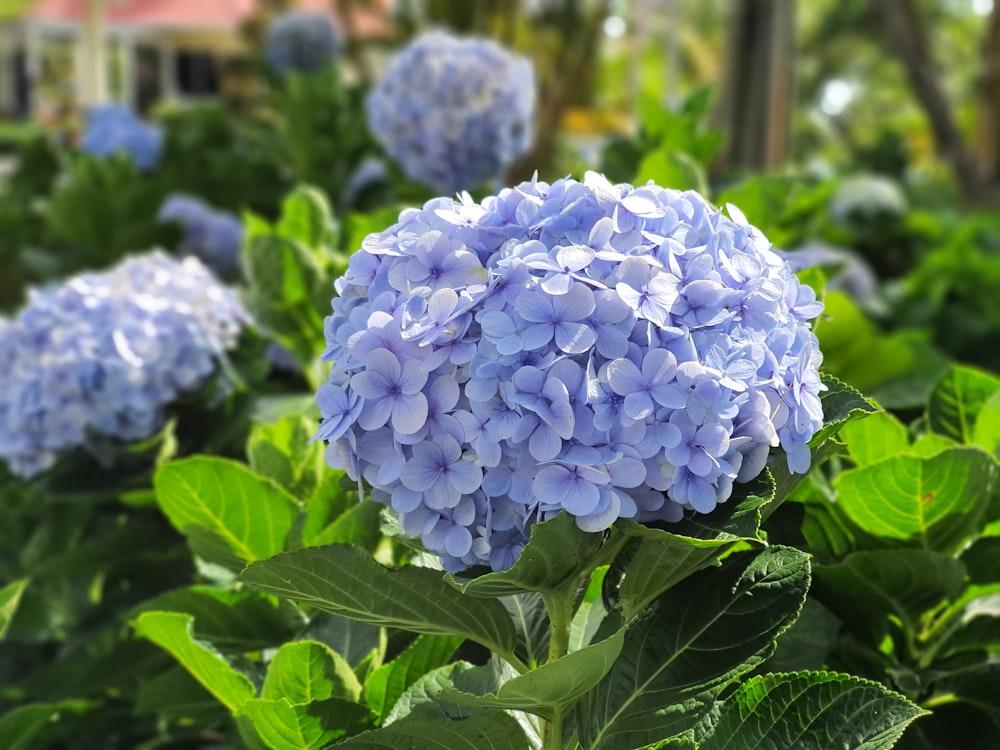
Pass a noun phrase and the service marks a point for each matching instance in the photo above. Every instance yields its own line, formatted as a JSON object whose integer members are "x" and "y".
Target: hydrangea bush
{"x": 454, "y": 112}
{"x": 212, "y": 236}
{"x": 101, "y": 355}
{"x": 111, "y": 129}
{"x": 610, "y": 351}
{"x": 301, "y": 42}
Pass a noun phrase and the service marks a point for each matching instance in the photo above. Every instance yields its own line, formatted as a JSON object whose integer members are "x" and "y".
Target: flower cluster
{"x": 454, "y": 112}
{"x": 212, "y": 236}
{"x": 101, "y": 355}
{"x": 610, "y": 351}
{"x": 111, "y": 129}
{"x": 867, "y": 197}
{"x": 301, "y": 42}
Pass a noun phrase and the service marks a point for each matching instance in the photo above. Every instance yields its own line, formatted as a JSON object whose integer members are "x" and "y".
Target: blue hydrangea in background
{"x": 454, "y": 112}
{"x": 610, "y": 351}
{"x": 301, "y": 42}
{"x": 112, "y": 129}
{"x": 101, "y": 355}
{"x": 213, "y": 236}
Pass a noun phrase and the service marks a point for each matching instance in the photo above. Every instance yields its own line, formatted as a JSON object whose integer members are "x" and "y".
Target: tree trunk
{"x": 907, "y": 38}
{"x": 988, "y": 129}
{"x": 754, "y": 106}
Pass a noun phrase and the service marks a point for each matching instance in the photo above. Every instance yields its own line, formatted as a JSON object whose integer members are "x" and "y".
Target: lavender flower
{"x": 112, "y": 129}
{"x": 301, "y": 42}
{"x": 454, "y": 112}
{"x": 595, "y": 349}
{"x": 214, "y": 237}
{"x": 102, "y": 355}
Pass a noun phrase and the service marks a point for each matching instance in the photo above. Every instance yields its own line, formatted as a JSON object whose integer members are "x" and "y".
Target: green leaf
{"x": 531, "y": 621}
{"x": 670, "y": 167}
{"x": 976, "y": 686}
{"x": 555, "y": 684}
{"x": 957, "y": 400}
{"x": 556, "y": 554}
{"x": 387, "y": 683}
{"x": 251, "y": 514}
{"x": 306, "y": 217}
{"x": 345, "y": 580}
{"x": 236, "y": 620}
{"x": 808, "y": 642}
{"x": 933, "y": 502}
{"x": 10, "y": 597}
{"x": 982, "y": 560}
{"x": 22, "y": 728}
{"x": 281, "y": 451}
{"x": 979, "y": 629}
{"x": 361, "y": 644}
{"x": 840, "y": 403}
{"x": 358, "y": 524}
{"x": 663, "y": 680}
{"x": 430, "y": 729}
{"x": 172, "y": 631}
{"x": 875, "y": 437}
{"x": 809, "y": 710}
{"x": 308, "y": 671}
{"x": 175, "y": 695}
{"x": 986, "y": 433}
{"x": 284, "y": 726}
{"x": 661, "y": 558}
{"x": 869, "y": 585}
{"x": 426, "y": 689}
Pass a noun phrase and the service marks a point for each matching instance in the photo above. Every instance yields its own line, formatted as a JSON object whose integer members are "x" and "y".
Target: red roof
{"x": 190, "y": 13}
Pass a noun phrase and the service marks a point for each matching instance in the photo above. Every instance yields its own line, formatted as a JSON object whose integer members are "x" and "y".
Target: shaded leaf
{"x": 870, "y": 585}
{"x": 809, "y": 710}
{"x": 387, "y": 683}
{"x": 346, "y": 580}
{"x": 664, "y": 556}
{"x": 553, "y": 685}
{"x": 172, "y": 631}
{"x": 238, "y": 620}
{"x": 430, "y": 729}
{"x": 175, "y": 695}
{"x": 22, "y": 728}
{"x": 556, "y": 554}
{"x": 692, "y": 641}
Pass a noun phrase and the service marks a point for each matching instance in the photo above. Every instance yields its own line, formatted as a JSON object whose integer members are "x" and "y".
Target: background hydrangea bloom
{"x": 454, "y": 112}
{"x": 865, "y": 197}
{"x": 111, "y": 129}
{"x": 300, "y": 42}
{"x": 102, "y": 354}
{"x": 584, "y": 347}
{"x": 213, "y": 236}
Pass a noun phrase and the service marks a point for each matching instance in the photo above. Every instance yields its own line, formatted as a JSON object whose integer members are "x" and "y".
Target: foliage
{"x": 903, "y": 524}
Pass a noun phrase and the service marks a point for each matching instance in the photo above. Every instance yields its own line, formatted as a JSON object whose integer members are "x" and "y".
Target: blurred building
{"x": 68, "y": 53}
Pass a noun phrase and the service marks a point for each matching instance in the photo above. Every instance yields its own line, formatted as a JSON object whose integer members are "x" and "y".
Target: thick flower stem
{"x": 559, "y": 605}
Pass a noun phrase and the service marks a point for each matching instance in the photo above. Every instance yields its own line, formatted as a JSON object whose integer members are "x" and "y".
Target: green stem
{"x": 559, "y": 605}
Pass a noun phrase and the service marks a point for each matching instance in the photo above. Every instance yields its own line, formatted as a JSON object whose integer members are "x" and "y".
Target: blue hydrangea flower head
{"x": 213, "y": 236}
{"x": 301, "y": 42}
{"x": 454, "y": 112}
{"x": 111, "y": 129}
{"x": 102, "y": 355}
{"x": 603, "y": 350}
